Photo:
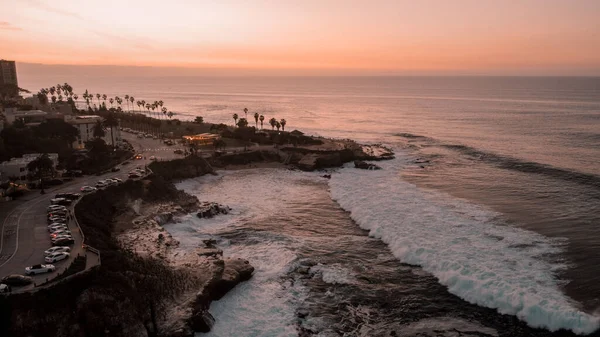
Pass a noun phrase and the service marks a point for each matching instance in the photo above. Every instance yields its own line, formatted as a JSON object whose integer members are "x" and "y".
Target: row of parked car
{"x": 57, "y": 215}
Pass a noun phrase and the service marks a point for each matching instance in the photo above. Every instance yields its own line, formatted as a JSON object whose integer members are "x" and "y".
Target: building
{"x": 86, "y": 124}
{"x": 202, "y": 138}
{"x": 29, "y": 117}
{"x": 17, "y": 167}
{"x": 8, "y": 72}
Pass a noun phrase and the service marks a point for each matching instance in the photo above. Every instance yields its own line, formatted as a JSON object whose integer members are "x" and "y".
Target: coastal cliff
{"x": 141, "y": 288}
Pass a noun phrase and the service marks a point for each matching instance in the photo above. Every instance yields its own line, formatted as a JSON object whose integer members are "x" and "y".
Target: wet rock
{"x": 210, "y": 209}
{"x": 234, "y": 272}
{"x": 201, "y": 321}
{"x": 214, "y": 252}
{"x": 365, "y": 166}
{"x": 303, "y": 270}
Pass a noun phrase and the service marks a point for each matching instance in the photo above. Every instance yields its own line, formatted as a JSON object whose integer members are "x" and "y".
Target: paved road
{"x": 24, "y": 235}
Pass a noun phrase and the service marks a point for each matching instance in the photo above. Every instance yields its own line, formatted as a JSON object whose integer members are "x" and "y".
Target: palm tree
{"x": 273, "y": 122}
{"x": 119, "y": 100}
{"x": 160, "y": 104}
{"x": 98, "y": 97}
{"x": 60, "y": 97}
{"x": 164, "y": 111}
{"x": 170, "y": 114}
{"x": 127, "y": 101}
{"x": 277, "y": 125}
{"x": 242, "y": 123}
{"x": 262, "y": 118}
{"x": 53, "y": 99}
{"x": 283, "y": 122}
{"x": 131, "y": 99}
{"x": 52, "y": 91}
{"x": 246, "y": 112}
{"x": 111, "y": 101}
{"x": 235, "y": 118}
{"x": 139, "y": 104}
{"x": 143, "y": 104}
{"x": 104, "y": 99}
{"x": 75, "y": 97}
{"x": 153, "y": 106}
{"x": 110, "y": 122}
{"x": 256, "y": 119}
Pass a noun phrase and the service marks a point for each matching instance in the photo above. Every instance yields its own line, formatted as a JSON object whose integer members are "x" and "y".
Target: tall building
{"x": 8, "y": 72}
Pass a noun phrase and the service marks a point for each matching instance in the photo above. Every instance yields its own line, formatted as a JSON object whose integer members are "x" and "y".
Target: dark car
{"x": 115, "y": 169}
{"x": 72, "y": 196}
{"x": 64, "y": 242}
{"x": 17, "y": 280}
{"x": 53, "y": 214}
{"x": 65, "y": 202}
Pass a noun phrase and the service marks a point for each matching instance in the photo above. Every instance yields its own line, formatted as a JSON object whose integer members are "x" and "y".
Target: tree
{"x": 246, "y": 113}
{"x": 283, "y": 122}
{"x": 235, "y": 118}
{"x": 104, "y": 97}
{"x": 262, "y": 119}
{"x": 42, "y": 98}
{"x": 242, "y": 123}
{"x": 199, "y": 120}
{"x": 171, "y": 114}
{"x": 273, "y": 122}
{"x": 57, "y": 129}
{"x": 277, "y": 125}
{"x": 111, "y": 101}
{"x": 127, "y": 101}
{"x": 99, "y": 130}
{"x": 256, "y": 119}
{"x": 41, "y": 165}
{"x": 131, "y": 99}
{"x": 98, "y": 97}
{"x": 111, "y": 121}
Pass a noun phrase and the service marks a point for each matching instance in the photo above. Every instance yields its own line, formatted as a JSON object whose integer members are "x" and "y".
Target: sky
{"x": 503, "y": 37}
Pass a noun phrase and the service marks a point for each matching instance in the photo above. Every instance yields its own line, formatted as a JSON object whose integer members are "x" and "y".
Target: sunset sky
{"x": 376, "y": 36}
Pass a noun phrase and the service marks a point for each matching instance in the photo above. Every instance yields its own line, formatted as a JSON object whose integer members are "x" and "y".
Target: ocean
{"x": 485, "y": 224}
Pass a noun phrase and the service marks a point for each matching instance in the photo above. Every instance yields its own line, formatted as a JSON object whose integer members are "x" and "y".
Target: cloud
{"x": 45, "y": 7}
{"x": 8, "y": 26}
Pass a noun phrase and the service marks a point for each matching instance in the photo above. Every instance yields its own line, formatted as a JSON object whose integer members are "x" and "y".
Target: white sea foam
{"x": 463, "y": 245}
{"x": 333, "y": 274}
{"x": 265, "y": 305}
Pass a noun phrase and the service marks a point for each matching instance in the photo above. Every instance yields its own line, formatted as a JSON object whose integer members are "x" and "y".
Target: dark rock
{"x": 210, "y": 209}
{"x": 326, "y": 176}
{"x": 365, "y": 166}
{"x": 209, "y": 252}
{"x": 201, "y": 321}
{"x": 234, "y": 272}
{"x": 303, "y": 270}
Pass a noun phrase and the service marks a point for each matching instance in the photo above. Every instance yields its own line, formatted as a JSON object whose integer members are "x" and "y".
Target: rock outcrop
{"x": 210, "y": 209}
{"x": 365, "y": 166}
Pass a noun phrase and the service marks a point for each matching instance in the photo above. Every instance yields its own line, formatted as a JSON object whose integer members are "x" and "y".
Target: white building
{"x": 86, "y": 124}
{"x": 17, "y": 167}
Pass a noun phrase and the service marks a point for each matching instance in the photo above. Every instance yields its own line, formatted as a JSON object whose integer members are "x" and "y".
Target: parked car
{"x": 56, "y": 228}
{"x": 118, "y": 180}
{"x": 57, "y": 219}
{"x": 55, "y": 201}
{"x": 88, "y": 189}
{"x": 17, "y": 280}
{"x": 101, "y": 184}
{"x": 4, "y": 288}
{"x": 153, "y": 158}
{"x": 178, "y": 151}
{"x": 61, "y": 233}
{"x": 52, "y": 208}
{"x": 39, "y": 269}
{"x": 57, "y": 250}
{"x": 134, "y": 175}
{"x": 58, "y": 256}
{"x": 57, "y": 212}
{"x": 68, "y": 196}
{"x": 63, "y": 242}
{"x": 115, "y": 169}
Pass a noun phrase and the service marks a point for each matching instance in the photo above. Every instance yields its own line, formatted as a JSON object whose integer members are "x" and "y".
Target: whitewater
{"x": 466, "y": 247}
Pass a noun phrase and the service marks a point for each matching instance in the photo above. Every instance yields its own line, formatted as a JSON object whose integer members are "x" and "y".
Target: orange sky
{"x": 376, "y": 36}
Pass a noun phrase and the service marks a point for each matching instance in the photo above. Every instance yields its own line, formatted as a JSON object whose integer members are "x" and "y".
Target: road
{"x": 24, "y": 235}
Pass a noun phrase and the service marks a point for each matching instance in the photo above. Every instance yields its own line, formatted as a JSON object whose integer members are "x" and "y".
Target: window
{"x": 22, "y": 169}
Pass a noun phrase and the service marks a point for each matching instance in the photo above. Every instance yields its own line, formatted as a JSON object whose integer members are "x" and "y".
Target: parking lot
{"x": 24, "y": 234}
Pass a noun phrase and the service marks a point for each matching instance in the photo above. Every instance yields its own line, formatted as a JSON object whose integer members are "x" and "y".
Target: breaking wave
{"x": 466, "y": 247}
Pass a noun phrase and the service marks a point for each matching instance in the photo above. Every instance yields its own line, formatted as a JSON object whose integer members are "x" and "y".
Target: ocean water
{"x": 486, "y": 223}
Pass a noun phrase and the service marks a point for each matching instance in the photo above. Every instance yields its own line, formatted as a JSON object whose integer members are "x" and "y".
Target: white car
{"x": 55, "y": 201}
{"x": 55, "y": 228}
{"x": 39, "y": 269}
{"x": 101, "y": 184}
{"x": 118, "y": 180}
{"x": 152, "y": 158}
{"x": 56, "y": 257}
{"x": 3, "y": 288}
{"x": 56, "y": 208}
{"x": 57, "y": 250}
{"x": 88, "y": 189}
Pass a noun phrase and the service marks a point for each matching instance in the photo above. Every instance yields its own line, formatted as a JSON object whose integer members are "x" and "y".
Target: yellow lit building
{"x": 202, "y": 138}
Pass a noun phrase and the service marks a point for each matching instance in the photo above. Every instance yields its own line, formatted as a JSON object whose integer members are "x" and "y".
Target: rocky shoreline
{"x": 142, "y": 232}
